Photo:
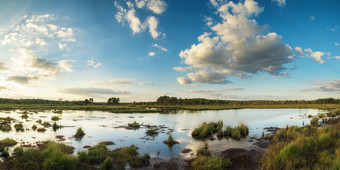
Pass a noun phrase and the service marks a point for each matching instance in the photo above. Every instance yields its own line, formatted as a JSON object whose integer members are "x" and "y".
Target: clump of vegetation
{"x": 55, "y": 126}
{"x": 209, "y": 162}
{"x": 134, "y": 125}
{"x": 170, "y": 142}
{"x": 310, "y": 116}
{"x": 203, "y": 151}
{"x": 97, "y": 154}
{"x": 24, "y": 116}
{"x": 206, "y": 130}
{"x": 55, "y": 118}
{"x": 46, "y": 124}
{"x": 6, "y": 128}
{"x": 238, "y": 132}
{"x": 57, "y": 111}
{"x": 39, "y": 121}
{"x": 34, "y": 127}
{"x": 331, "y": 114}
{"x": 80, "y": 133}
{"x": 7, "y": 142}
{"x": 321, "y": 115}
{"x": 304, "y": 148}
{"x": 314, "y": 121}
{"x": 41, "y": 130}
{"x": 19, "y": 127}
{"x": 151, "y": 132}
{"x": 107, "y": 164}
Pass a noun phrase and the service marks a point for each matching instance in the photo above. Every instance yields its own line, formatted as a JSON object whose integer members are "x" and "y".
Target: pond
{"x": 104, "y": 126}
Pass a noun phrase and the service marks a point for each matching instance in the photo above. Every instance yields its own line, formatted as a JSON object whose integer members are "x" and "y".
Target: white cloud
{"x": 280, "y": 2}
{"x": 160, "y": 47}
{"x": 121, "y": 81}
{"x": 336, "y": 44}
{"x": 337, "y": 57}
{"x": 299, "y": 50}
{"x": 135, "y": 23}
{"x": 312, "y": 17}
{"x": 203, "y": 77}
{"x": 93, "y": 64}
{"x": 183, "y": 80}
{"x": 152, "y": 53}
{"x": 156, "y": 6}
{"x": 208, "y": 21}
{"x": 152, "y": 24}
{"x": 145, "y": 83}
{"x": 316, "y": 55}
{"x": 3, "y": 66}
{"x": 65, "y": 64}
{"x": 63, "y": 46}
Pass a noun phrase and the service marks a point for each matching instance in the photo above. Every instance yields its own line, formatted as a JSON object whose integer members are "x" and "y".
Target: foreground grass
{"x": 130, "y": 108}
{"x": 59, "y": 156}
{"x": 304, "y": 148}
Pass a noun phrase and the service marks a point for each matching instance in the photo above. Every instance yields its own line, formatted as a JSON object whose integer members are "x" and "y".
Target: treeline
{"x": 166, "y": 100}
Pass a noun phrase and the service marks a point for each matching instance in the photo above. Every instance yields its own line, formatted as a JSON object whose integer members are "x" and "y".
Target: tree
{"x": 113, "y": 101}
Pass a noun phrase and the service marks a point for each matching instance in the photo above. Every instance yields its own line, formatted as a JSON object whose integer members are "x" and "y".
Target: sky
{"x": 138, "y": 50}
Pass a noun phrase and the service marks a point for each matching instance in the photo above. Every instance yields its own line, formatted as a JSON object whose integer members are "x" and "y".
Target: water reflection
{"x": 104, "y": 126}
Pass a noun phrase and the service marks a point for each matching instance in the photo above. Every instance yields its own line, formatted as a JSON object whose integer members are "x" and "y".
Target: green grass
{"x": 134, "y": 124}
{"x": 129, "y": 108}
{"x": 171, "y": 141}
{"x": 314, "y": 121}
{"x": 208, "y": 162}
{"x": 304, "y": 148}
{"x": 206, "y": 130}
{"x": 8, "y": 142}
{"x": 80, "y": 133}
{"x": 55, "y": 118}
{"x": 19, "y": 127}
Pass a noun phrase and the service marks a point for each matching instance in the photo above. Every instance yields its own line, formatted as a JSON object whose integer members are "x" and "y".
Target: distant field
{"x": 130, "y": 108}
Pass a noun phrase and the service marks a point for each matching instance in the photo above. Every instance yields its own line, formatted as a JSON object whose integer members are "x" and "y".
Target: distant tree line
{"x": 166, "y": 100}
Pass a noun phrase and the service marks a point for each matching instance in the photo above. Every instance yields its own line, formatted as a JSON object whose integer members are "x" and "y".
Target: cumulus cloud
{"x": 63, "y": 46}
{"x": 93, "y": 64}
{"x": 336, "y": 44}
{"x": 91, "y": 91}
{"x": 156, "y": 6}
{"x": 29, "y": 37}
{"x": 144, "y": 83}
{"x": 330, "y": 86}
{"x": 152, "y": 24}
{"x": 136, "y": 25}
{"x": 316, "y": 55}
{"x": 152, "y": 53}
{"x": 203, "y": 77}
{"x": 236, "y": 48}
{"x": 280, "y": 2}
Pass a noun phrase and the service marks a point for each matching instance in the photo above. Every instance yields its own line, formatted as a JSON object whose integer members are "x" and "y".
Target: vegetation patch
{"x": 206, "y": 130}
{"x": 41, "y": 130}
{"x": 152, "y": 132}
{"x": 34, "y": 127}
{"x": 80, "y": 133}
{"x": 55, "y": 126}
{"x": 314, "y": 121}
{"x": 19, "y": 127}
{"x": 170, "y": 142}
{"x": 209, "y": 162}
{"x": 304, "y": 148}
{"x": 134, "y": 125}
{"x": 55, "y": 118}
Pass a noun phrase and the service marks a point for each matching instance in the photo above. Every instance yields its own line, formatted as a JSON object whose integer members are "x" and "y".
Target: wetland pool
{"x": 102, "y": 126}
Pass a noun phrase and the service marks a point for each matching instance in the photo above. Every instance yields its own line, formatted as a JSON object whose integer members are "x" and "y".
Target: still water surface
{"x": 104, "y": 126}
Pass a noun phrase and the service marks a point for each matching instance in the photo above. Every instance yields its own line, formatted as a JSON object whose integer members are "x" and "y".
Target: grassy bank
{"x": 304, "y": 148}
{"x": 130, "y": 108}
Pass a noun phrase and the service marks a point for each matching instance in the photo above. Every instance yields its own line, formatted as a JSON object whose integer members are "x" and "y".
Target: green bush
{"x": 134, "y": 124}
{"x": 55, "y": 118}
{"x": 8, "y": 142}
{"x": 83, "y": 157}
{"x": 97, "y": 154}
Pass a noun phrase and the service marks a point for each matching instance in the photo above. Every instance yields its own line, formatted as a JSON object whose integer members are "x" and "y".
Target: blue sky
{"x": 140, "y": 49}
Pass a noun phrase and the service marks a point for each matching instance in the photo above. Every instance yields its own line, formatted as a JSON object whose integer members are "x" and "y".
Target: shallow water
{"x": 104, "y": 126}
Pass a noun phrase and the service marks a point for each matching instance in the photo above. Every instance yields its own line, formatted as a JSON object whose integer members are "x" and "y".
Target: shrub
{"x": 80, "y": 133}
{"x": 243, "y": 129}
{"x": 216, "y": 163}
{"x": 235, "y": 133}
{"x": 19, "y": 127}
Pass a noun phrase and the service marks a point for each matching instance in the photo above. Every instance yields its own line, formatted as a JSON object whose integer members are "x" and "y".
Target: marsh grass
{"x": 208, "y": 162}
{"x": 80, "y": 133}
{"x": 55, "y": 118}
{"x": 34, "y": 127}
{"x": 171, "y": 141}
{"x": 19, "y": 127}
{"x": 314, "y": 121}
{"x": 206, "y": 130}
{"x": 134, "y": 125}
{"x": 151, "y": 132}
{"x": 304, "y": 148}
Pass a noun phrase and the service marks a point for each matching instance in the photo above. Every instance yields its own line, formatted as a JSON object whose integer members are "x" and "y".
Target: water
{"x": 104, "y": 126}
